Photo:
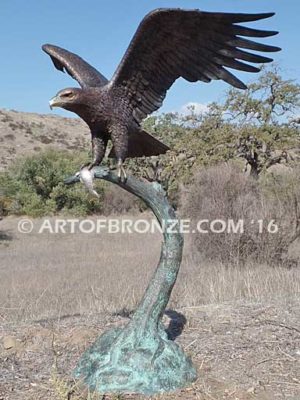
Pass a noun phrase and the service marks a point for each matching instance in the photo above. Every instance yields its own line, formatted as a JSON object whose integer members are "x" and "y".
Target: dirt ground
{"x": 242, "y": 351}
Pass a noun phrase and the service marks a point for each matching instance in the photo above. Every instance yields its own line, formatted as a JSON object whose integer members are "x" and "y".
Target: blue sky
{"x": 100, "y": 32}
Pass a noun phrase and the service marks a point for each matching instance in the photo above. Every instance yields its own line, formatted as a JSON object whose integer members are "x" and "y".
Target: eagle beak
{"x": 53, "y": 103}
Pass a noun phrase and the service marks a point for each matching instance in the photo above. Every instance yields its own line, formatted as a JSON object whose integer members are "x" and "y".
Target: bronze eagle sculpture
{"x": 168, "y": 44}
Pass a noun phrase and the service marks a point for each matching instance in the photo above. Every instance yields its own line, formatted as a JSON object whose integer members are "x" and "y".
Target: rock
{"x": 9, "y": 342}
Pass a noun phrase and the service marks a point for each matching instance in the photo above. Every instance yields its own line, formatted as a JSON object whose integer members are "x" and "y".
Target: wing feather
{"x": 243, "y": 31}
{"x": 234, "y": 18}
{"x": 76, "y": 67}
{"x": 195, "y": 45}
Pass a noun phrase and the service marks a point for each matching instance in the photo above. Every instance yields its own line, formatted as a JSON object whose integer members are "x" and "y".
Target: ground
{"x": 58, "y": 292}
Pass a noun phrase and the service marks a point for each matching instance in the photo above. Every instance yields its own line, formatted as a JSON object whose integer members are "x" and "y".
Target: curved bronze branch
{"x": 139, "y": 358}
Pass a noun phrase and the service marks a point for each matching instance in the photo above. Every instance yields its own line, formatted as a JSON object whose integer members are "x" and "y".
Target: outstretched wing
{"x": 195, "y": 45}
{"x": 84, "y": 73}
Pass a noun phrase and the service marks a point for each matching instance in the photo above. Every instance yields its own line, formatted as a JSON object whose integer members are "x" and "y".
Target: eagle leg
{"x": 119, "y": 137}
{"x": 99, "y": 144}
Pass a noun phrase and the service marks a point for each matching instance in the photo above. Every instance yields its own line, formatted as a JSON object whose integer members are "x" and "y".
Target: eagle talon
{"x": 89, "y": 166}
{"x": 121, "y": 172}
{"x": 86, "y": 165}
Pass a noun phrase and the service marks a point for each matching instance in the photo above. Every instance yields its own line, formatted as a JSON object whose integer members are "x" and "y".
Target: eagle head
{"x": 69, "y": 99}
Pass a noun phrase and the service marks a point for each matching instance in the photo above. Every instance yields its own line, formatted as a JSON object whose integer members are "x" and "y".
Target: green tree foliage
{"x": 263, "y": 116}
{"x": 34, "y": 186}
{"x": 270, "y": 100}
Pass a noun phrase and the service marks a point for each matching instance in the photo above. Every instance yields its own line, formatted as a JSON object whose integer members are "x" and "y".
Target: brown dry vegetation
{"x": 59, "y": 291}
{"x": 225, "y": 193}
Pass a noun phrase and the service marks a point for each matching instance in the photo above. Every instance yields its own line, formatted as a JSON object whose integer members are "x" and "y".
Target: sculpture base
{"x": 135, "y": 360}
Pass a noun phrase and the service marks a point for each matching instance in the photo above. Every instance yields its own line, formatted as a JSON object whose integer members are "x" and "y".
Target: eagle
{"x": 168, "y": 44}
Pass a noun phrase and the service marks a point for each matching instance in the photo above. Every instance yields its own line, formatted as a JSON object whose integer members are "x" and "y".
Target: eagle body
{"x": 168, "y": 44}
{"x": 105, "y": 110}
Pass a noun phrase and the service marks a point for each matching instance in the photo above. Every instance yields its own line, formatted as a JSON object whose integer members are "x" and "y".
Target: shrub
{"x": 118, "y": 201}
{"x": 224, "y": 193}
{"x": 34, "y": 186}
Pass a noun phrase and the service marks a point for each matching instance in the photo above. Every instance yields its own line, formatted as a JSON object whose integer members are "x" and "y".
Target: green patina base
{"x": 123, "y": 361}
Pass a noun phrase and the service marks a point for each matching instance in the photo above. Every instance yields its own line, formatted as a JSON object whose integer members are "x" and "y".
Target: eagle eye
{"x": 67, "y": 94}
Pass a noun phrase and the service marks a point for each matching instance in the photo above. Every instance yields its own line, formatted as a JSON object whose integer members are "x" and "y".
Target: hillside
{"x": 28, "y": 133}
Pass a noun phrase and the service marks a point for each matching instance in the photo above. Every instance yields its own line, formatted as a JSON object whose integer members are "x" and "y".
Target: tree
{"x": 264, "y": 114}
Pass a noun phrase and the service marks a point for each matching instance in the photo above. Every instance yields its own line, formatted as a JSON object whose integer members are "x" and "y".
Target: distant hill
{"x": 28, "y": 133}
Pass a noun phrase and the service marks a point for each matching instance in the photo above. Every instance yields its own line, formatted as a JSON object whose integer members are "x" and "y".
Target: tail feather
{"x": 140, "y": 144}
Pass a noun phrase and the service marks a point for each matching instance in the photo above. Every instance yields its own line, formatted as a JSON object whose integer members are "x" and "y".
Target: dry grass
{"x": 216, "y": 283}
{"x": 50, "y": 275}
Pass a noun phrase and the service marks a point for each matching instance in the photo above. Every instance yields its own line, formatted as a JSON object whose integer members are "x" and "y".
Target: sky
{"x": 100, "y": 31}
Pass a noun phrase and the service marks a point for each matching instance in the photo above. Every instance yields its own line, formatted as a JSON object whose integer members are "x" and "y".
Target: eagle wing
{"x": 195, "y": 45}
{"x": 84, "y": 73}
